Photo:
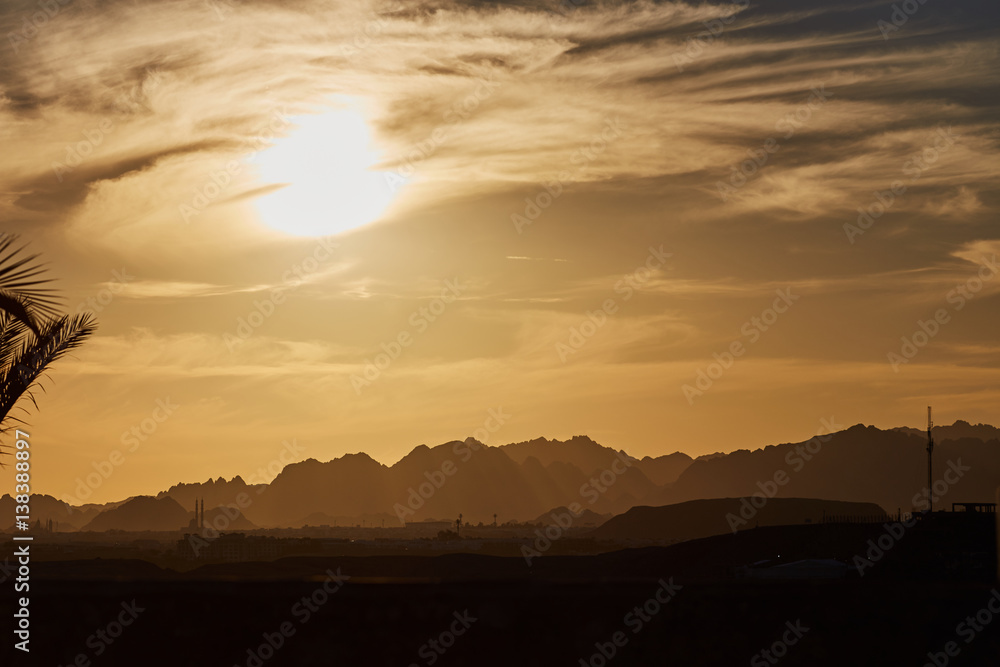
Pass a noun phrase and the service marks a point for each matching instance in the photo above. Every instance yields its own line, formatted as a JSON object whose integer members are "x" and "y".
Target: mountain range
{"x": 523, "y": 481}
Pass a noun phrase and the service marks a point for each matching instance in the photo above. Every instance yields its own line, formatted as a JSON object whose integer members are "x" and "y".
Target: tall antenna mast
{"x": 930, "y": 451}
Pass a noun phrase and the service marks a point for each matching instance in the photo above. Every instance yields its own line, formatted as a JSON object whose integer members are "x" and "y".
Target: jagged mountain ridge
{"x": 457, "y": 477}
{"x": 524, "y": 480}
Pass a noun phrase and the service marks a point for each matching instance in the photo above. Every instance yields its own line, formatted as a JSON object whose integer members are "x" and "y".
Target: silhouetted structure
{"x": 984, "y": 508}
{"x": 198, "y": 522}
{"x": 930, "y": 451}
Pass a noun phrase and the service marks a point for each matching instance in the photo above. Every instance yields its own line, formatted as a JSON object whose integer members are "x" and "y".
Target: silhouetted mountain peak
{"x": 519, "y": 480}
{"x": 142, "y": 513}
{"x": 359, "y": 458}
{"x": 956, "y": 431}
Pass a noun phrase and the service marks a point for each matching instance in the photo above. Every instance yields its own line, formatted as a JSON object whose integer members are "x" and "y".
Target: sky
{"x": 365, "y": 226}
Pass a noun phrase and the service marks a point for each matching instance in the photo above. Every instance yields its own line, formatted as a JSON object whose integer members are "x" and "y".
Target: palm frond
{"x": 22, "y": 275}
{"x": 20, "y": 376}
{"x": 19, "y": 308}
{"x": 11, "y": 330}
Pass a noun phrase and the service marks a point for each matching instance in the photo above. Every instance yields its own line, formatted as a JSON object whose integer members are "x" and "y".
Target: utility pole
{"x": 930, "y": 451}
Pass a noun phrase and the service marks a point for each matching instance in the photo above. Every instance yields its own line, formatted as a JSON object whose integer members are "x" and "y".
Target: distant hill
{"x": 665, "y": 469}
{"x": 586, "y": 517}
{"x": 65, "y": 517}
{"x": 859, "y": 464}
{"x": 226, "y": 519}
{"x": 460, "y": 477}
{"x": 957, "y": 431}
{"x": 214, "y": 492}
{"x": 142, "y": 513}
{"x": 522, "y": 481}
{"x": 703, "y": 518}
{"x": 579, "y": 451}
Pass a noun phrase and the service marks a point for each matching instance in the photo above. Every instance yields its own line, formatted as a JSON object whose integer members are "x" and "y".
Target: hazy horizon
{"x": 637, "y": 221}
{"x": 95, "y": 480}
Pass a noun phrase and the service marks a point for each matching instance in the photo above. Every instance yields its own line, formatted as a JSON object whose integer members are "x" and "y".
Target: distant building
{"x": 230, "y": 548}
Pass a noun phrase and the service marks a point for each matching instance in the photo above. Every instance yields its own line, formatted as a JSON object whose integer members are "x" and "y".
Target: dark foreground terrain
{"x": 467, "y": 609}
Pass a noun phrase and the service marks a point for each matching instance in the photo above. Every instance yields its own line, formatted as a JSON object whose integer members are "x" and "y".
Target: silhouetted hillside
{"x": 65, "y": 517}
{"x": 143, "y": 513}
{"x": 460, "y": 477}
{"x": 583, "y": 519}
{"x": 228, "y": 519}
{"x": 579, "y": 451}
{"x": 214, "y": 492}
{"x": 860, "y": 464}
{"x": 957, "y": 431}
{"x": 523, "y": 481}
{"x": 702, "y": 518}
{"x": 664, "y": 469}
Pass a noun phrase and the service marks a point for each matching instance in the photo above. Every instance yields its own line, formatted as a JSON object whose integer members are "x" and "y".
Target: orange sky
{"x": 571, "y": 215}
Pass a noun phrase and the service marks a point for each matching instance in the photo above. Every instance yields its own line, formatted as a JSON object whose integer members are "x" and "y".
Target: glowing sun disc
{"x": 328, "y": 183}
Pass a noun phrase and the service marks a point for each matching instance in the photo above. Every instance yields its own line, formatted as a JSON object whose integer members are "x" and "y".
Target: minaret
{"x": 202, "y": 513}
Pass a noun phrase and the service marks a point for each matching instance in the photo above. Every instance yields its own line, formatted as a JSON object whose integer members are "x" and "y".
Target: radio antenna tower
{"x": 930, "y": 451}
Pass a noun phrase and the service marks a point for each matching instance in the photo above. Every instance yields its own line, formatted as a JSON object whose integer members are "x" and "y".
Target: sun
{"x": 325, "y": 172}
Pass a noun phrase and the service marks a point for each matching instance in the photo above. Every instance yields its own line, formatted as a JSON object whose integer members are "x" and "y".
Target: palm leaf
{"x": 21, "y": 277}
{"x": 20, "y": 376}
{"x": 19, "y": 308}
{"x": 11, "y": 330}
